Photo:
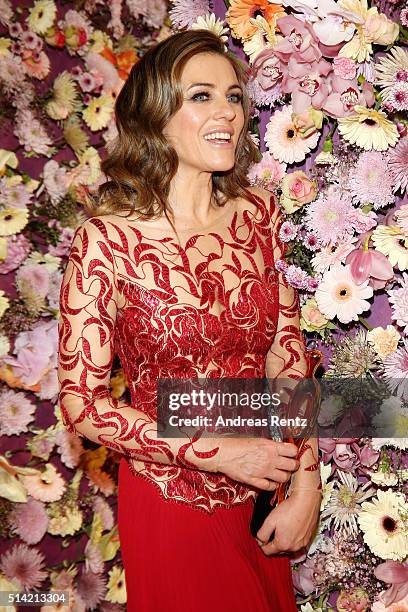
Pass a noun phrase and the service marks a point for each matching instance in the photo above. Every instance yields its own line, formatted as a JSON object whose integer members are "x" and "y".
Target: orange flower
{"x": 240, "y": 12}
{"x": 101, "y": 481}
{"x": 123, "y": 61}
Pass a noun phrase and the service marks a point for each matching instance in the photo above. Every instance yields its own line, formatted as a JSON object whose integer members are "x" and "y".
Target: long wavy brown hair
{"x": 140, "y": 162}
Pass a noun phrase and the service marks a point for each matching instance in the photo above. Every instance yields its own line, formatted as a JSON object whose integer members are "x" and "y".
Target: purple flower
{"x": 311, "y": 242}
{"x": 281, "y": 265}
{"x": 288, "y": 231}
{"x": 296, "y": 277}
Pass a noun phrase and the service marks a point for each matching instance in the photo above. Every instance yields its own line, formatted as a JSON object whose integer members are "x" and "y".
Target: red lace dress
{"x": 209, "y": 305}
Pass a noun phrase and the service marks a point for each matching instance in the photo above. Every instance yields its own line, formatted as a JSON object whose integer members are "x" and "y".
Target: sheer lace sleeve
{"x": 288, "y": 357}
{"x": 88, "y": 310}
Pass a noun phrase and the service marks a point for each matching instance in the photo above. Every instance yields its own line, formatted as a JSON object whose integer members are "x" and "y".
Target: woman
{"x": 184, "y": 286}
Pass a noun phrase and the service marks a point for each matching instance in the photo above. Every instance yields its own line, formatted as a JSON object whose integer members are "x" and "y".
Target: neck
{"x": 191, "y": 197}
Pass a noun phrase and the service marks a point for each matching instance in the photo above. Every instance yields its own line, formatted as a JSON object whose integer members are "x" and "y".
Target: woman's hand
{"x": 293, "y": 523}
{"x": 257, "y": 462}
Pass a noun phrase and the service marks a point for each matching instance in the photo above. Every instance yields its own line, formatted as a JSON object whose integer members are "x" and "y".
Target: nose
{"x": 224, "y": 109}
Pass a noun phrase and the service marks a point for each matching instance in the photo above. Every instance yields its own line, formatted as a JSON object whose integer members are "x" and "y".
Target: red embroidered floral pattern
{"x": 214, "y": 306}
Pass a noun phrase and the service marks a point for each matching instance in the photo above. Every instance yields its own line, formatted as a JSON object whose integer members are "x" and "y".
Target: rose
{"x": 308, "y": 122}
{"x": 311, "y": 317}
{"x": 380, "y": 29}
{"x": 297, "y": 190}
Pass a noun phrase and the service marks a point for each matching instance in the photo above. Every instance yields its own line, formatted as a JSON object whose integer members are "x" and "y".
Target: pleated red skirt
{"x": 180, "y": 559}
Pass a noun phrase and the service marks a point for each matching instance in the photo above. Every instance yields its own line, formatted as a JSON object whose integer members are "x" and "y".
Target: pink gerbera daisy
{"x": 284, "y": 140}
{"x": 24, "y": 565}
{"x": 47, "y": 486}
{"x": 185, "y": 12}
{"x": 328, "y": 216}
{"x": 398, "y": 164}
{"x": 371, "y": 181}
{"x": 30, "y": 520}
{"x": 91, "y": 588}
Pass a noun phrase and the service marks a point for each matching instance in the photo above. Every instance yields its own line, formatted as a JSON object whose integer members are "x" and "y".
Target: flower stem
{"x": 365, "y": 323}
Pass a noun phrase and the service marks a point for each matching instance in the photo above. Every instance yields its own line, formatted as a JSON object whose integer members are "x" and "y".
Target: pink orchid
{"x": 347, "y": 454}
{"x": 345, "y": 94}
{"x": 299, "y": 42}
{"x": 267, "y": 69}
{"x": 370, "y": 264}
{"x": 395, "y": 574}
{"x": 307, "y": 83}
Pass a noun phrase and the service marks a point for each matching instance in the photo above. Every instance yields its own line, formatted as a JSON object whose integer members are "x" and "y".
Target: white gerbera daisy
{"x": 42, "y": 16}
{"x": 369, "y": 129}
{"x": 339, "y": 296}
{"x": 384, "y": 523}
{"x": 214, "y": 25}
{"x": 345, "y": 502}
{"x": 284, "y": 140}
{"x": 392, "y": 242}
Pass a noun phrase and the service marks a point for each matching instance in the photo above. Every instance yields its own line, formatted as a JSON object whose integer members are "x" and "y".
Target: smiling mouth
{"x": 219, "y": 137}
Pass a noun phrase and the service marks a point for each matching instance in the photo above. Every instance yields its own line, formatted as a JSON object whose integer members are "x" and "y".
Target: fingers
{"x": 287, "y": 464}
{"x": 263, "y": 483}
{"x": 286, "y": 449}
{"x": 267, "y": 529}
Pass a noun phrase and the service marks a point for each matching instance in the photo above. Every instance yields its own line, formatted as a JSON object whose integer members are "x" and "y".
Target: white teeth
{"x": 218, "y": 135}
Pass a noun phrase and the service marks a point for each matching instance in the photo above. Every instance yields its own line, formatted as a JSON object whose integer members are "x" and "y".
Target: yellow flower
{"x": 371, "y": 27}
{"x": 75, "y": 136}
{"x": 4, "y": 303}
{"x": 88, "y": 169}
{"x": 64, "y": 520}
{"x": 369, "y": 129}
{"x": 98, "y": 112}
{"x": 3, "y": 249}
{"x": 42, "y": 16}
{"x": 392, "y": 242}
{"x": 109, "y": 544}
{"x": 65, "y": 97}
{"x": 96, "y": 528}
{"x": 13, "y": 220}
{"x": 4, "y": 46}
{"x": 99, "y": 41}
{"x": 116, "y": 586}
{"x": 384, "y": 341}
{"x": 7, "y": 159}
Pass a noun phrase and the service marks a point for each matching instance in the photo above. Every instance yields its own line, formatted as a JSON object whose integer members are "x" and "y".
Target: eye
{"x": 238, "y": 97}
{"x": 198, "y": 94}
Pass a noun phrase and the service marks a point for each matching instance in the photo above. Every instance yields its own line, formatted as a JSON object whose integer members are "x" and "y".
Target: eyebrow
{"x": 236, "y": 86}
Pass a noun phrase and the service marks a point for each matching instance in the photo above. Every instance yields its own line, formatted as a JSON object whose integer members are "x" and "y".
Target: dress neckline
{"x": 199, "y": 230}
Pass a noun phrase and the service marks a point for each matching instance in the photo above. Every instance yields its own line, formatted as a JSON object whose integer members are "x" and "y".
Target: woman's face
{"x": 212, "y": 104}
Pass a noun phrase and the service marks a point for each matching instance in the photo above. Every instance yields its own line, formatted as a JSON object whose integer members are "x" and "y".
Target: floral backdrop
{"x": 329, "y": 84}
